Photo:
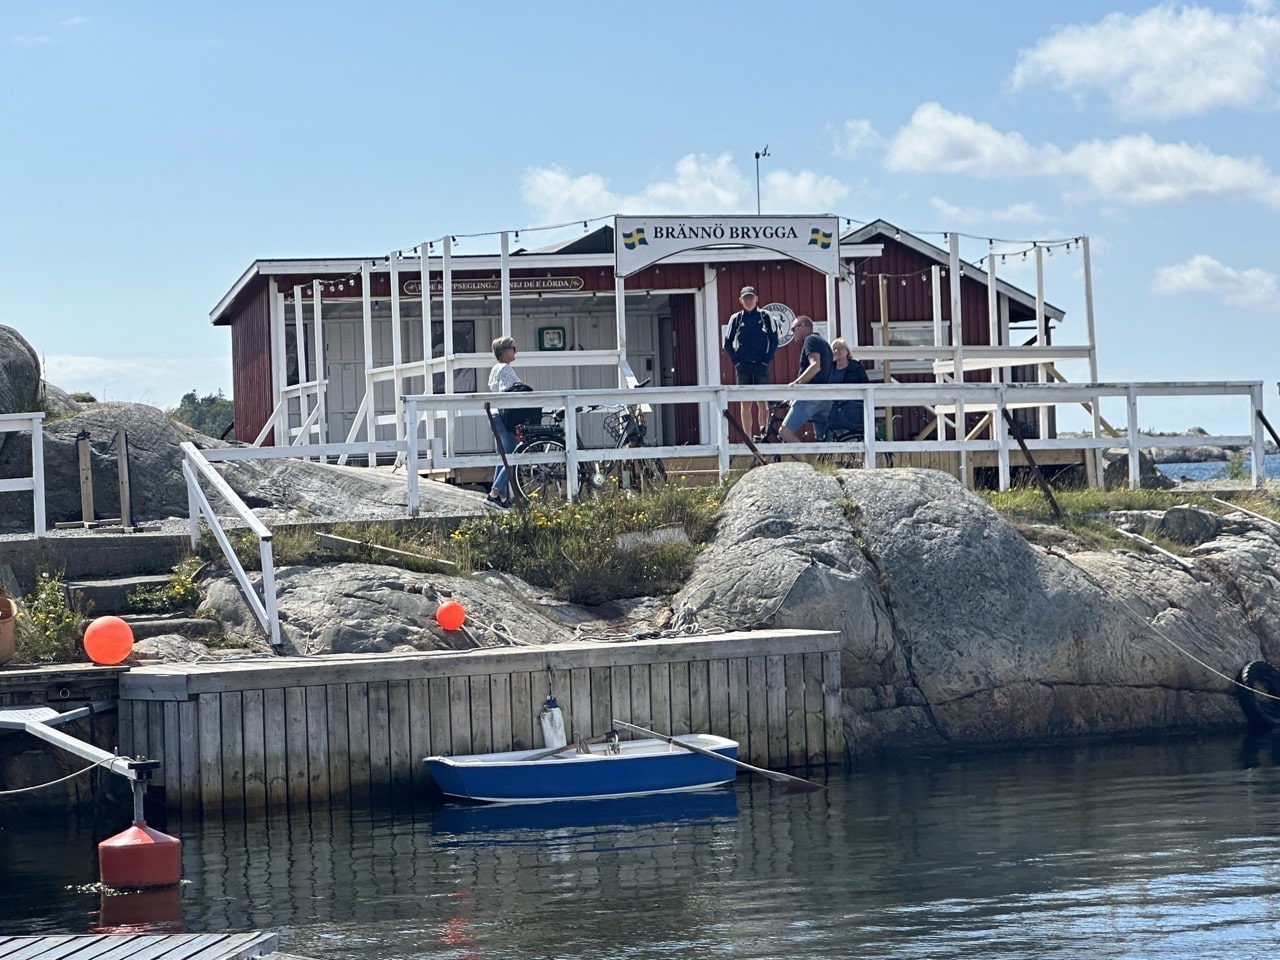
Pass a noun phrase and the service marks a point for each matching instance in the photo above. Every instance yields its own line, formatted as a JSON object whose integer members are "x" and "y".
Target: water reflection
{"x": 1128, "y": 849}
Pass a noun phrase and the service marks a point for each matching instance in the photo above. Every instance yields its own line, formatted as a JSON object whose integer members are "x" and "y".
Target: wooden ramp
{"x": 167, "y": 946}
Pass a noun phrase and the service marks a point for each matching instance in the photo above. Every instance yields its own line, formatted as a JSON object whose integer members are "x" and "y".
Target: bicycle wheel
{"x": 653, "y": 473}
{"x": 593, "y": 477}
{"x": 544, "y": 482}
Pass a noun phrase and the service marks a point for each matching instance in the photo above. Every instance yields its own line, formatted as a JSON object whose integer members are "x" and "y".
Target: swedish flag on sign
{"x": 820, "y": 238}
{"x": 634, "y": 238}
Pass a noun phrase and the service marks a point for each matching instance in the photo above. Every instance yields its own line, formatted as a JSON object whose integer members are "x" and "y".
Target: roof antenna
{"x": 759, "y": 154}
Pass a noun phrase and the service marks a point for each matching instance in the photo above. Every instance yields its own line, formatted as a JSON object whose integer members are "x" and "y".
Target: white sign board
{"x": 642, "y": 241}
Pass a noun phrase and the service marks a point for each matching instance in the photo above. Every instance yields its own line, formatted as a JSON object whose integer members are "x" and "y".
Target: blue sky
{"x": 153, "y": 151}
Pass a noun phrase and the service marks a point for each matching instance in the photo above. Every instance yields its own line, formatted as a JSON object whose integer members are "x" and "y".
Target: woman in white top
{"x": 502, "y": 379}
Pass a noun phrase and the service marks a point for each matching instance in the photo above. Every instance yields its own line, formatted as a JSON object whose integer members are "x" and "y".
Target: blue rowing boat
{"x": 630, "y": 768}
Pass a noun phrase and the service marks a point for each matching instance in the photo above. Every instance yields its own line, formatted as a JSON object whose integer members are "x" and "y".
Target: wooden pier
{"x": 246, "y": 736}
{"x": 151, "y": 946}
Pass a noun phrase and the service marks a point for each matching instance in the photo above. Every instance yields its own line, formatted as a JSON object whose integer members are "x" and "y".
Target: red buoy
{"x": 450, "y": 615}
{"x": 108, "y": 640}
{"x": 140, "y": 857}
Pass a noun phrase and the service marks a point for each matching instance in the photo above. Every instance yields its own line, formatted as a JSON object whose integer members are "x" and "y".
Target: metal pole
{"x": 759, "y": 154}
{"x": 757, "y": 183}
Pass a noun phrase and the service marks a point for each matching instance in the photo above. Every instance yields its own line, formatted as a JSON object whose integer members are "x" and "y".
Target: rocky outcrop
{"x": 957, "y": 630}
{"x": 155, "y": 471}
{"x": 366, "y": 608}
{"x": 1115, "y": 475}
{"x": 19, "y": 374}
{"x": 279, "y": 490}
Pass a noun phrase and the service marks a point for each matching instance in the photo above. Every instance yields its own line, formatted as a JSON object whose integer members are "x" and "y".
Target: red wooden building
{"x": 327, "y": 345}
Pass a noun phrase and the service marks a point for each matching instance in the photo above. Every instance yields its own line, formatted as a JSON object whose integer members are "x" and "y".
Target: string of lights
{"x": 455, "y": 237}
{"x": 1010, "y": 247}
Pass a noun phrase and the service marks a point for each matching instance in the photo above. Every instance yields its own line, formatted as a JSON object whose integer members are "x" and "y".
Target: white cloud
{"x": 966, "y": 216}
{"x": 1165, "y": 62}
{"x": 39, "y": 39}
{"x": 1252, "y": 289}
{"x": 804, "y": 191}
{"x": 158, "y": 381}
{"x": 699, "y": 184}
{"x": 937, "y": 140}
{"x": 855, "y": 137}
{"x": 1131, "y": 170}
{"x": 1137, "y": 169}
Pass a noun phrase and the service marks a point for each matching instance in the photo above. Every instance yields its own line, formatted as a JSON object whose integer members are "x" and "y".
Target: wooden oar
{"x": 543, "y": 754}
{"x": 796, "y": 783}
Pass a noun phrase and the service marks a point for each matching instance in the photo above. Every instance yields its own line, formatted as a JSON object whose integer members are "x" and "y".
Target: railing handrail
{"x": 28, "y": 423}
{"x": 951, "y": 399}
{"x": 194, "y": 468}
{"x": 955, "y": 397}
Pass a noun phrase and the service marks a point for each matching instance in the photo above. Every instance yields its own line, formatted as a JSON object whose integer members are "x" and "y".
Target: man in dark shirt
{"x": 749, "y": 344}
{"x": 815, "y": 367}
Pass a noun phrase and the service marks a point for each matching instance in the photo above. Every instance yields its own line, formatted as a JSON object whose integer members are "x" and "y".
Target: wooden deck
{"x": 167, "y": 946}
{"x": 245, "y": 736}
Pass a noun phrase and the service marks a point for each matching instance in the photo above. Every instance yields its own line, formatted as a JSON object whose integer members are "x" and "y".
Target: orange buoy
{"x": 450, "y": 615}
{"x": 140, "y": 857}
{"x": 108, "y": 640}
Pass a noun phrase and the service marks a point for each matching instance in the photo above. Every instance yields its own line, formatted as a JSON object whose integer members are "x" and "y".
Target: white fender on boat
{"x": 552, "y": 721}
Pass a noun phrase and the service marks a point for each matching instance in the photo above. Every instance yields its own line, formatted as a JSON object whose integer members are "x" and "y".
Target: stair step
{"x": 193, "y": 628}
{"x": 110, "y": 595}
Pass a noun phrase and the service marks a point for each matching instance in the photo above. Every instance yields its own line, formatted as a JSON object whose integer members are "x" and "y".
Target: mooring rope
{"x": 54, "y": 783}
{"x": 1128, "y": 605}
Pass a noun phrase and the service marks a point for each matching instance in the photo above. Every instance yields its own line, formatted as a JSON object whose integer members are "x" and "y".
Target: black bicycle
{"x": 626, "y": 425}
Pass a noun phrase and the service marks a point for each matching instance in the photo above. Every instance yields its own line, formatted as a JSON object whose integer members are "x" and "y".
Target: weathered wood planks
{"x": 167, "y": 946}
{"x": 254, "y": 735}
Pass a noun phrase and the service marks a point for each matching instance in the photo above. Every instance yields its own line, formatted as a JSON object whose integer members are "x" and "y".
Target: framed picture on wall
{"x": 551, "y": 338}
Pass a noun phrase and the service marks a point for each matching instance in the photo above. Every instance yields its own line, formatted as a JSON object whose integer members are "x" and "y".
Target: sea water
{"x": 1166, "y": 848}
{"x": 1217, "y": 469}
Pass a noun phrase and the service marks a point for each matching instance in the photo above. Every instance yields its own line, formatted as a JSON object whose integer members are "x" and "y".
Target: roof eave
{"x": 927, "y": 249}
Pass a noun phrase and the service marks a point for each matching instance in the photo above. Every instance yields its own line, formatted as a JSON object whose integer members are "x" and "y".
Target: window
{"x": 910, "y": 333}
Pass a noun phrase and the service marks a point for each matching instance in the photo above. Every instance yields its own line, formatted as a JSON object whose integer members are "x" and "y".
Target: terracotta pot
{"x": 8, "y": 625}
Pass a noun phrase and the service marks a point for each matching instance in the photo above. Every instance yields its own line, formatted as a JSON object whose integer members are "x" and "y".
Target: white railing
{"x": 430, "y": 418}
{"x": 194, "y": 468}
{"x": 439, "y": 413}
{"x": 28, "y": 423}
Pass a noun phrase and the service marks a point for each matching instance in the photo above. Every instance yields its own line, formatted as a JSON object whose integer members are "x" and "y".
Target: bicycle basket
{"x": 615, "y": 424}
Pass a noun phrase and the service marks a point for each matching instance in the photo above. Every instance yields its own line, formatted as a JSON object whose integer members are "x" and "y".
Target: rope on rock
{"x": 1128, "y": 605}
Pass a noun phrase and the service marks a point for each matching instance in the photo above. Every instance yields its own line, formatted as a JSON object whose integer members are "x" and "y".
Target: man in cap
{"x": 750, "y": 344}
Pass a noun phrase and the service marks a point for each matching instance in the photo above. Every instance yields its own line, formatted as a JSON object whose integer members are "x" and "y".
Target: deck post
{"x": 1131, "y": 405}
{"x": 1258, "y": 450}
{"x": 318, "y": 354}
{"x": 411, "y": 454}
{"x": 1001, "y": 428}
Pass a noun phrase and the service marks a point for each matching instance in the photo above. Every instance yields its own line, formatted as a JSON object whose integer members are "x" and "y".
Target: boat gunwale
{"x": 631, "y": 750}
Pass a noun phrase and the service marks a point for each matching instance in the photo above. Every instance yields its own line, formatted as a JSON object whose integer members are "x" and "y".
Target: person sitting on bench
{"x": 844, "y": 419}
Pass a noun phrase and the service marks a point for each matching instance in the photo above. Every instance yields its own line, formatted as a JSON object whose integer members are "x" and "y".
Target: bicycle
{"x": 626, "y": 425}
{"x": 823, "y": 432}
